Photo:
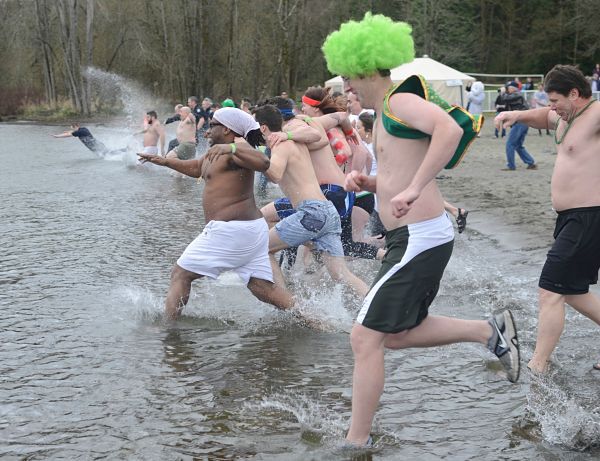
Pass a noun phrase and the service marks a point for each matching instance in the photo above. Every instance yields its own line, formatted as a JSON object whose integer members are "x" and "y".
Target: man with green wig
{"x": 414, "y": 138}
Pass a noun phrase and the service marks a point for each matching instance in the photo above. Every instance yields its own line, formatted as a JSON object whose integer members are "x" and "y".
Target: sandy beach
{"x": 513, "y": 207}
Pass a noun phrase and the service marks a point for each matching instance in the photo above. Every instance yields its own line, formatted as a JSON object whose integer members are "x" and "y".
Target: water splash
{"x": 318, "y": 424}
{"x": 562, "y": 419}
{"x": 113, "y": 91}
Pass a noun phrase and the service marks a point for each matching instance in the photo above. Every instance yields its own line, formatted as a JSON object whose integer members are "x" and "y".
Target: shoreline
{"x": 513, "y": 207}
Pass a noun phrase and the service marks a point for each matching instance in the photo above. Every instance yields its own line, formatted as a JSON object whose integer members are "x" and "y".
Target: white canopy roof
{"x": 449, "y": 83}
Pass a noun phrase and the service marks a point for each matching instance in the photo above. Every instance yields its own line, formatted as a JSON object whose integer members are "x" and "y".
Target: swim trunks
{"x": 410, "y": 275}
{"x": 342, "y": 200}
{"x": 573, "y": 261}
{"x": 366, "y": 201}
{"x": 185, "y": 150}
{"x": 153, "y": 150}
{"x": 240, "y": 246}
{"x": 316, "y": 221}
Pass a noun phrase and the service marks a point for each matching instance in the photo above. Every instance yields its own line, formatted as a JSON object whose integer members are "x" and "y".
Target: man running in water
{"x": 573, "y": 261}
{"x": 419, "y": 234}
{"x": 236, "y": 236}
{"x": 329, "y": 175}
{"x": 186, "y": 135}
{"x": 154, "y": 134}
{"x": 314, "y": 219}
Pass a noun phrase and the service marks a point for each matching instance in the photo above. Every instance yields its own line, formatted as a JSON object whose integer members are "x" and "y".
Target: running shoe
{"x": 505, "y": 344}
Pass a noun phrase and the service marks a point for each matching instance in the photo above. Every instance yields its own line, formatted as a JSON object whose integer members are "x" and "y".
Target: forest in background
{"x": 243, "y": 48}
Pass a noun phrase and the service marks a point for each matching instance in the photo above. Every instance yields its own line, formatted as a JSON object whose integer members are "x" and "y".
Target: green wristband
{"x": 289, "y": 135}
{"x": 233, "y": 147}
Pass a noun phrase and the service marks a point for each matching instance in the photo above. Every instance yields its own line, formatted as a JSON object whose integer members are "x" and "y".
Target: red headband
{"x": 310, "y": 102}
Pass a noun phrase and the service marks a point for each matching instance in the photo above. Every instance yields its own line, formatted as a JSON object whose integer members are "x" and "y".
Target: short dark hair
{"x": 152, "y": 113}
{"x": 269, "y": 115}
{"x": 282, "y": 103}
{"x": 367, "y": 119}
{"x": 563, "y": 78}
{"x": 193, "y": 98}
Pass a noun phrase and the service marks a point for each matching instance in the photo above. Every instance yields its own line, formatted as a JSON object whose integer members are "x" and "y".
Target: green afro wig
{"x": 362, "y": 48}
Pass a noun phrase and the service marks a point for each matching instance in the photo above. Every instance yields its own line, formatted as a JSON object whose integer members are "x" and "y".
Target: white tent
{"x": 449, "y": 83}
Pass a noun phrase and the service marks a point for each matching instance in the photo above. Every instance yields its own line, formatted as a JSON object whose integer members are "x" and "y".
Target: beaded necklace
{"x": 558, "y": 141}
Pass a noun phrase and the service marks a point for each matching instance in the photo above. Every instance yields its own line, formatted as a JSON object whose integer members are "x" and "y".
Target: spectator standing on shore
{"x": 500, "y": 107}
{"x": 514, "y": 100}
{"x": 476, "y": 97}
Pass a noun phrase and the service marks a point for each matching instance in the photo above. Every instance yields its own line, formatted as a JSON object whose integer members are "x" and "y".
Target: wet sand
{"x": 513, "y": 207}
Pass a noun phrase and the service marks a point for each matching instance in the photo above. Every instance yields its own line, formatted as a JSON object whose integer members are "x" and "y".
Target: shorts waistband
{"x": 331, "y": 188}
{"x": 235, "y": 222}
{"x": 587, "y": 209}
{"x": 442, "y": 222}
{"x": 320, "y": 203}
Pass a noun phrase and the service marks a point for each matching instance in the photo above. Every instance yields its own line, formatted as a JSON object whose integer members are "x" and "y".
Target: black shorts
{"x": 366, "y": 202}
{"x": 410, "y": 275}
{"x": 573, "y": 261}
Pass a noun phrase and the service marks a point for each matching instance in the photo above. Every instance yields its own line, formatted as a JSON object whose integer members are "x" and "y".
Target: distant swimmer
{"x": 85, "y": 136}
{"x": 154, "y": 134}
{"x": 236, "y": 236}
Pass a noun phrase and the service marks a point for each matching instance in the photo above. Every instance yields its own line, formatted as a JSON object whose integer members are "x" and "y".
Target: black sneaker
{"x": 505, "y": 344}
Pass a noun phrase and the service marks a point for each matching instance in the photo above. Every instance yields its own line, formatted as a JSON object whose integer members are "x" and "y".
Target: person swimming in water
{"x": 85, "y": 136}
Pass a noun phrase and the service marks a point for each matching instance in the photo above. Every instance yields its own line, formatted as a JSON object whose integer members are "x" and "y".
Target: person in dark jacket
{"x": 514, "y": 100}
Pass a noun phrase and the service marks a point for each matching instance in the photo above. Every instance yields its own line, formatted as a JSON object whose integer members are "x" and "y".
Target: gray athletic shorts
{"x": 410, "y": 275}
{"x": 316, "y": 221}
{"x": 186, "y": 150}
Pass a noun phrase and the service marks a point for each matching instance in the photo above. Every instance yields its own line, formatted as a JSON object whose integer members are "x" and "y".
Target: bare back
{"x": 323, "y": 161}
{"x": 298, "y": 179}
{"x": 576, "y": 176}
{"x": 228, "y": 191}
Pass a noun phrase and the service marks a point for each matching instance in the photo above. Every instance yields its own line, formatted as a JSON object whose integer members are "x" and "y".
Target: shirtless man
{"x": 330, "y": 177}
{"x": 573, "y": 261}
{"x": 154, "y": 133}
{"x": 236, "y": 236}
{"x": 186, "y": 135}
{"x": 419, "y": 234}
{"x": 315, "y": 218}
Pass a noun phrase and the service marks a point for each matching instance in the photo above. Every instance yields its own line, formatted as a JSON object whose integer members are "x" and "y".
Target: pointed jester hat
{"x": 360, "y": 49}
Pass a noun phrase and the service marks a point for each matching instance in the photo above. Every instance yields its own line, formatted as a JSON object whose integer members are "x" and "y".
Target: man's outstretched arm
{"x": 191, "y": 167}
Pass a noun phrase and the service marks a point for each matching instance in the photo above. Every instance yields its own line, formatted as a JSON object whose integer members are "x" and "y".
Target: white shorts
{"x": 240, "y": 246}
{"x": 153, "y": 150}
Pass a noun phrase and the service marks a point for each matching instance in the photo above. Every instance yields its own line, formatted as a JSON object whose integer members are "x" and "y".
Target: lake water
{"x": 88, "y": 369}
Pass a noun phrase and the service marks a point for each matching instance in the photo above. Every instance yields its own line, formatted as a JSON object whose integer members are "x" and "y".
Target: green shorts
{"x": 409, "y": 277}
